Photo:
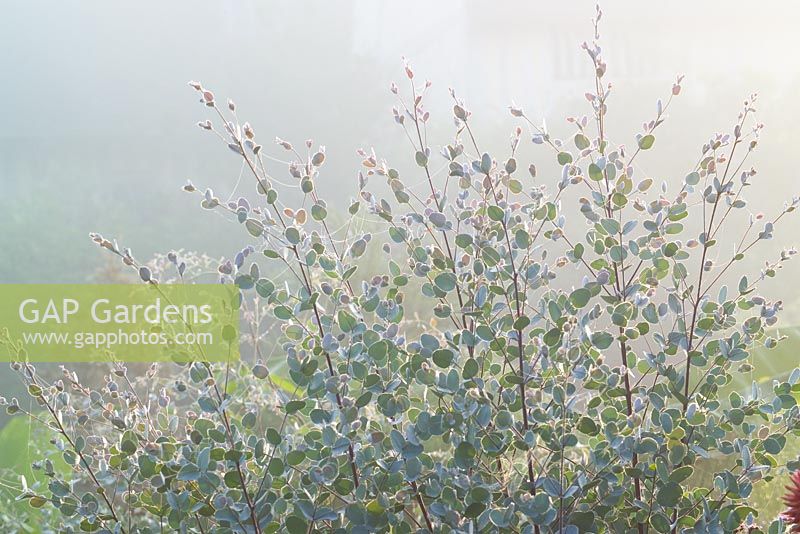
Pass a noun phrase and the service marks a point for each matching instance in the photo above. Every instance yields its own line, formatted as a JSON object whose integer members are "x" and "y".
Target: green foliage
{"x": 555, "y": 379}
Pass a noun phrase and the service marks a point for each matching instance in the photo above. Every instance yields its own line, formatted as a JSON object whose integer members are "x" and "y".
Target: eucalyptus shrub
{"x": 556, "y": 378}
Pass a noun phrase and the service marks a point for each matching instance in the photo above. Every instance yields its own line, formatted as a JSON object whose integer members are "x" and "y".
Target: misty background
{"x": 98, "y": 130}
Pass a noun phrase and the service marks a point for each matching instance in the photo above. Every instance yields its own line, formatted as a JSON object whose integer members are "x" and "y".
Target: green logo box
{"x": 122, "y": 322}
